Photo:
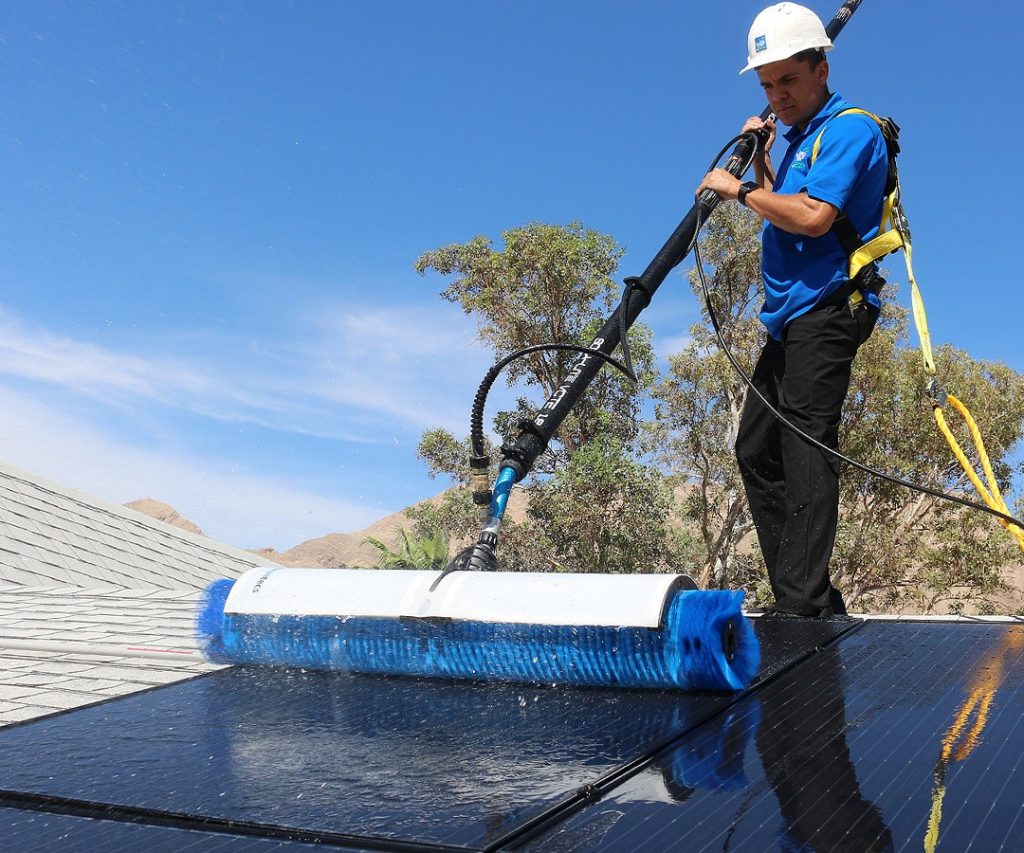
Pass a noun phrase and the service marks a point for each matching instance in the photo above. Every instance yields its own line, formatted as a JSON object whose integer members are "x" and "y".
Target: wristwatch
{"x": 746, "y": 187}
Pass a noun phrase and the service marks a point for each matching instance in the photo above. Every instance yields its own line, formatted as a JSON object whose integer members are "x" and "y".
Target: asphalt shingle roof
{"x": 90, "y": 592}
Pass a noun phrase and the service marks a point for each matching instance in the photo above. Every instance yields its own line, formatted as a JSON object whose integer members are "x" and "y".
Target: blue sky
{"x": 210, "y": 211}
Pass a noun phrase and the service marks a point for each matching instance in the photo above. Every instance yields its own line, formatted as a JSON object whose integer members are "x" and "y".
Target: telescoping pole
{"x": 536, "y": 433}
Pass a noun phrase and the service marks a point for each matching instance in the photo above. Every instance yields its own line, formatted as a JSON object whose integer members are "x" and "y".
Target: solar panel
{"x": 371, "y": 760}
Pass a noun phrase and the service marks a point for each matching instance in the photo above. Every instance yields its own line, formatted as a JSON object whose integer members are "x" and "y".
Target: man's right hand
{"x": 756, "y": 123}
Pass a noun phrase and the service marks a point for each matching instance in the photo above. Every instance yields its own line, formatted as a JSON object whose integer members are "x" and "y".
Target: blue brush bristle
{"x": 696, "y": 626}
{"x": 687, "y": 652}
{"x": 210, "y": 620}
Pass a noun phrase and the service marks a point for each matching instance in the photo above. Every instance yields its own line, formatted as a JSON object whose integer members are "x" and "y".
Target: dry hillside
{"x": 341, "y": 549}
{"x": 348, "y": 549}
{"x": 165, "y": 513}
{"x": 330, "y": 551}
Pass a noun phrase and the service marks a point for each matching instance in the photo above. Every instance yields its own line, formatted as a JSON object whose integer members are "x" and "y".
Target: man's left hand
{"x": 721, "y": 182}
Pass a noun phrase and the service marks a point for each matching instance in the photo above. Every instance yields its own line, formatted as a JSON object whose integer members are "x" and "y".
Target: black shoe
{"x": 836, "y": 603}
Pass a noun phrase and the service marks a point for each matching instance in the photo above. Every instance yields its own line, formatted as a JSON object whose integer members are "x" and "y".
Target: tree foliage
{"x": 604, "y": 511}
{"x": 594, "y": 505}
{"x": 547, "y": 284}
{"x": 699, "y": 401}
{"x": 413, "y": 552}
{"x": 897, "y": 546}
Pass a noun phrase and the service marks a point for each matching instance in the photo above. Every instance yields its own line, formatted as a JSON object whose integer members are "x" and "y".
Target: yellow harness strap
{"x": 893, "y": 234}
{"x": 889, "y": 238}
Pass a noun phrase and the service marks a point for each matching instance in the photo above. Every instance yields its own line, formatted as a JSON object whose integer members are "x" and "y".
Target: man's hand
{"x": 721, "y": 182}
{"x": 728, "y": 187}
{"x": 756, "y": 123}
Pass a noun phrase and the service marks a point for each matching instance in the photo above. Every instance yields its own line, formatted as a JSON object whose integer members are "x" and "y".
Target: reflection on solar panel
{"x": 846, "y": 752}
{"x": 863, "y": 736}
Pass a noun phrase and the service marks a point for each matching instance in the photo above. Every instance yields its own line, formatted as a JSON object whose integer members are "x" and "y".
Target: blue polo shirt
{"x": 849, "y": 173}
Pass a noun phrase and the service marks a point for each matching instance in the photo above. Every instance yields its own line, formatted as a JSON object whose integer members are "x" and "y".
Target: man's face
{"x": 795, "y": 91}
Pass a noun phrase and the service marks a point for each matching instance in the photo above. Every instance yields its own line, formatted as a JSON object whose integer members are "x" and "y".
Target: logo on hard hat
{"x": 760, "y": 44}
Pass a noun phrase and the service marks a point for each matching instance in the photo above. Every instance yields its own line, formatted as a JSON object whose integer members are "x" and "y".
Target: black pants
{"x": 793, "y": 487}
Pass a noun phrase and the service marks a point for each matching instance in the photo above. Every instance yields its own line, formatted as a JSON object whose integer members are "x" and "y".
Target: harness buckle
{"x": 937, "y": 393}
{"x": 899, "y": 220}
{"x": 855, "y": 301}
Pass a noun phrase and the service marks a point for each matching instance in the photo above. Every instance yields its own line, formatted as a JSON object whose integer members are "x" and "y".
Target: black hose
{"x": 476, "y": 419}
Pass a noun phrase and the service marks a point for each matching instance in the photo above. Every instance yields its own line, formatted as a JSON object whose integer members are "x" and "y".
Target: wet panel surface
{"x": 902, "y": 736}
{"x": 39, "y": 832}
{"x": 369, "y": 757}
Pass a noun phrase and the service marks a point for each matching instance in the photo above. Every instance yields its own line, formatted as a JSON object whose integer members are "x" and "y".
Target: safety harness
{"x": 863, "y": 272}
{"x": 893, "y": 235}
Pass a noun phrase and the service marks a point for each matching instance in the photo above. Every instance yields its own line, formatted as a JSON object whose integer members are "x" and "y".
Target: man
{"x": 813, "y": 330}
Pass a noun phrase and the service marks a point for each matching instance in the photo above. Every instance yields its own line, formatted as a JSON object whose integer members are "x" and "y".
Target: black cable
{"x": 627, "y": 296}
{"x": 633, "y": 285}
{"x": 793, "y": 428}
{"x": 476, "y": 420}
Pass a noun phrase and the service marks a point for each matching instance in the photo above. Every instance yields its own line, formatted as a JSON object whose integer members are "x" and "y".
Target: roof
{"x": 51, "y": 535}
{"x": 96, "y": 600}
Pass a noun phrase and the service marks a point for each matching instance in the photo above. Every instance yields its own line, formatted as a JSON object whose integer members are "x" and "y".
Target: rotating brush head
{"x": 603, "y": 631}
{"x": 711, "y": 641}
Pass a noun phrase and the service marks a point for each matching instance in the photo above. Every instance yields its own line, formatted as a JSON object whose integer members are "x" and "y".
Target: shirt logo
{"x": 760, "y": 44}
{"x": 800, "y": 155}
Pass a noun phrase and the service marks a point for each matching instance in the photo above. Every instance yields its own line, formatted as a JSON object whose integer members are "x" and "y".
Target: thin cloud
{"x": 665, "y": 348}
{"x": 336, "y": 374}
{"x": 108, "y": 419}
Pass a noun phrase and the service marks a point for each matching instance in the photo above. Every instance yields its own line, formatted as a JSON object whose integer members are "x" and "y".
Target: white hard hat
{"x": 782, "y": 31}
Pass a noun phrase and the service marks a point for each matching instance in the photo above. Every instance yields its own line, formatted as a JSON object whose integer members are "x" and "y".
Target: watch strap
{"x": 745, "y": 188}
